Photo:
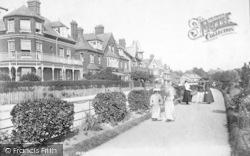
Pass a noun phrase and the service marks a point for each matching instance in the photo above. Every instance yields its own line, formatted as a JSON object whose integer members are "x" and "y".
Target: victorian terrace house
{"x": 32, "y": 43}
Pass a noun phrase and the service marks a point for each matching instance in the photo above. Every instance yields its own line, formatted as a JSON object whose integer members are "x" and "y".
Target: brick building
{"x": 30, "y": 42}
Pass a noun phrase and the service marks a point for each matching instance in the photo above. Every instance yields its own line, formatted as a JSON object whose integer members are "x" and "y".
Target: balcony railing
{"x": 35, "y": 56}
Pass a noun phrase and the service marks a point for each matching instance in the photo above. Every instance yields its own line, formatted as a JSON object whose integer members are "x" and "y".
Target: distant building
{"x": 192, "y": 78}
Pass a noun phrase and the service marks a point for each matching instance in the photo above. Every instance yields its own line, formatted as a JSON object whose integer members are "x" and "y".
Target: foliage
{"x": 90, "y": 123}
{"x": 139, "y": 100}
{"x": 245, "y": 76}
{"x": 142, "y": 76}
{"x": 110, "y": 107}
{"x": 200, "y": 72}
{"x": 4, "y": 77}
{"x": 30, "y": 77}
{"x": 105, "y": 74}
{"x": 39, "y": 120}
{"x": 57, "y": 85}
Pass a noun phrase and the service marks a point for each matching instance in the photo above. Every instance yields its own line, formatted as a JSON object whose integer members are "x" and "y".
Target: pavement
{"x": 199, "y": 130}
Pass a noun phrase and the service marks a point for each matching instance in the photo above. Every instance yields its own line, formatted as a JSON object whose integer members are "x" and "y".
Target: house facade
{"x": 191, "y": 77}
{"x": 32, "y": 43}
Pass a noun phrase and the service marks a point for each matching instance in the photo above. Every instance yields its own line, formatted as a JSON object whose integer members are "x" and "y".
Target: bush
{"x": 30, "y": 77}
{"x": 139, "y": 100}
{"x": 39, "y": 120}
{"x": 4, "y": 77}
{"x": 90, "y": 123}
{"x": 56, "y": 85}
{"x": 110, "y": 107}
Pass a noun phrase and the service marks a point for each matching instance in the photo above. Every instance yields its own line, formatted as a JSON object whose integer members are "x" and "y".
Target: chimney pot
{"x": 99, "y": 29}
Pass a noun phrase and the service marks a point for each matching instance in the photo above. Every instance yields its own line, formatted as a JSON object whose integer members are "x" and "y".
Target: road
{"x": 199, "y": 130}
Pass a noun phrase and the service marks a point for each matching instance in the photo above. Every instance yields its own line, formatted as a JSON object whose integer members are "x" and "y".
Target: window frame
{"x": 40, "y": 29}
{"x": 10, "y": 24}
{"x": 25, "y": 50}
{"x": 92, "y": 58}
{"x": 21, "y": 26}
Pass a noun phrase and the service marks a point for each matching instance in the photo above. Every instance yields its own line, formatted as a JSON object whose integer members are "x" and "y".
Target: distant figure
{"x": 155, "y": 101}
{"x": 169, "y": 102}
{"x": 201, "y": 91}
{"x": 208, "y": 97}
{"x": 187, "y": 96}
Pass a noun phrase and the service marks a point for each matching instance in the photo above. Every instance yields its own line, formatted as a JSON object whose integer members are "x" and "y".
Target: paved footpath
{"x": 199, "y": 130}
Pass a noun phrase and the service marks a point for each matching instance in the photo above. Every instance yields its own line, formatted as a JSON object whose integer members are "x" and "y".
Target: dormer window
{"x": 38, "y": 28}
{"x": 11, "y": 25}
{"x": 61, "y": 31}
{"x": 68, "y": 53}
{"x": 25, "y": 26}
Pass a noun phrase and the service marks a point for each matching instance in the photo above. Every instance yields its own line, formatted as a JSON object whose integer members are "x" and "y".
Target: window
{"x": 38, "y": 28}
{"x": 61, "y": 52}
{"x": 94, "y": 43}
{"x": 99, "y": 59}
{"x": 126, "y": 65}
{"x": 11, "y": 26}
{"x": 11, "y": 48}
{"x": 39, "y": 47}
{"x": 121, "y": 64}
{"x": 109, "y": 47}
{"x": 25, "y": 45}
{"x": 25, "y": 25}
{"x": 68, "y": 53}
{"x": 113, "y": 48}
{"x": 91, "y": 58}
{"x": 82, "y": 57}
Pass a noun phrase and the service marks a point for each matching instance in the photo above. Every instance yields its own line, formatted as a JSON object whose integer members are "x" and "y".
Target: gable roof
{"x": 82, "y": 44}
{"x": 91, "y": 36}
{"x": 192, "y": 76}
{"x": 23, "y": 11}
{"x": 57, "y": 24}
{"x": 105, "y": 37}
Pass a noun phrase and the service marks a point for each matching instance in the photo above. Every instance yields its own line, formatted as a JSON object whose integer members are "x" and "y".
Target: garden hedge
{"x": 36, "y": 121}
{"x": 139, "y": 100}
{"x": 30, "y": 77}
{"x": 57, "y": 85}
{"x": 110, "y": 107}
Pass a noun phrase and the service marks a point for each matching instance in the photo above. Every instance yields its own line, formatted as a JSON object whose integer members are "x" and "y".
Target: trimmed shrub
{"x": 39, "y": 120}
{"x": 110, "y": 107}
{"x": 30, "y": 77}
{"x": 139, "y": 100}
{"x": 4, "y": 77}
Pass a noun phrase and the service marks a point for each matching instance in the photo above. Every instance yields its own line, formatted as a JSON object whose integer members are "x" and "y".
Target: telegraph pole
{"x": 3, "y": 8}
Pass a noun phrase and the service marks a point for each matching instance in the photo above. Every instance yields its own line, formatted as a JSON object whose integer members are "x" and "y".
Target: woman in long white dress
{"x": 155, "y": 101}
{"x": 169, "y": 102}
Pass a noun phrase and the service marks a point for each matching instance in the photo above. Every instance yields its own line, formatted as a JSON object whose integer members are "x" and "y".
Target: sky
{"x": 160, "y": 26}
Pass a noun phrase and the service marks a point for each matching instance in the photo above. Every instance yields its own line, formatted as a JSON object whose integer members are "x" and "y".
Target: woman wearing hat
{"x": 155, "y": 101}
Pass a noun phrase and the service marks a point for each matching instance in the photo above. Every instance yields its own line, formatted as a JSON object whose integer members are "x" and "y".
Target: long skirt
{"x": 169, "y": 110}
{"x": 208, "y": 97}
{"x": 156, "y": 112}
{"x": 200, "y": 97}
{"x": 187, "y": 96}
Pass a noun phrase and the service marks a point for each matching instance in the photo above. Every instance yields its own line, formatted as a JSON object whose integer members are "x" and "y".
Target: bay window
{"x": 11, "y": 48}
{"x": 11, "y": 25}
{"x": 38, "y": 28}
{"x": 25, "y": 26}
{"x": 25, "y": 45}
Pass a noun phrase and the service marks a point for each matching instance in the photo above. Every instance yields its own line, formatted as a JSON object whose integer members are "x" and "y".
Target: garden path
{"x": 199, "y": 130}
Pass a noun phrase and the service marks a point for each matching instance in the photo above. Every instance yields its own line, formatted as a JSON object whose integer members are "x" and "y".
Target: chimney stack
{"x": 152, "y": 56}
{"x": 80, "y": 31}
{"x": 34, "y": 5}
{"x": 74, "y": 32}
{"x": 122, "y": 42}
{"x": 99, "y": 29}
